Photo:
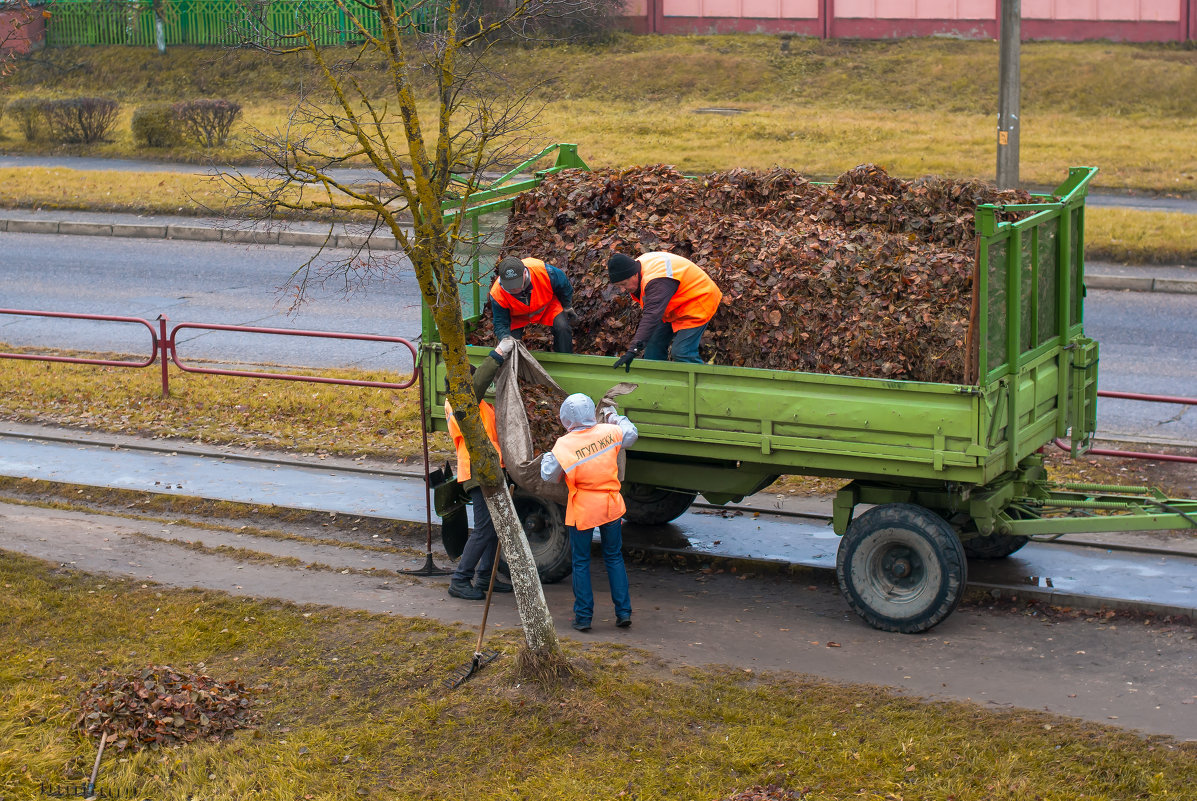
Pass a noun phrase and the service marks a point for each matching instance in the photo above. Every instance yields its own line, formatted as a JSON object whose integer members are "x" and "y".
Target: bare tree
{"x": 433, "y": 56}
{"x": 15, "y": 17}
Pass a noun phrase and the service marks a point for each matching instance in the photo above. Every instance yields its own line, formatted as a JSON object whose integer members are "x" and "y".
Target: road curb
{"x": 237, "y": 233}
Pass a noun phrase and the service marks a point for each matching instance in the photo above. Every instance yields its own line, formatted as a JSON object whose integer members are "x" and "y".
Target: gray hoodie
{"x": 577, "y": 414}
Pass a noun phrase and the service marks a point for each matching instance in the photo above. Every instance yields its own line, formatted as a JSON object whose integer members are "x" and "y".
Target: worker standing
{"x": 472, "y": 575}
{"x": 587, "y": 456}
{"x": 678, "y": 299}
{"x": 530, "y": 291}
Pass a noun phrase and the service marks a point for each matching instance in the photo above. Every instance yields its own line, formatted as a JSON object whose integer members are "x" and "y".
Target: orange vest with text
{"x": 542, "y": 307}
{"x": 463, "y": 455}
{"x": 697, "y": 297}
{"x": 589, "y": 458}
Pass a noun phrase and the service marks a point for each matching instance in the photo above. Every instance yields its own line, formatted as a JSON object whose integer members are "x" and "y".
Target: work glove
{"x": 571, "y": 316}
{"x": 505, "y": 346}
{"x": 625, "y": 361}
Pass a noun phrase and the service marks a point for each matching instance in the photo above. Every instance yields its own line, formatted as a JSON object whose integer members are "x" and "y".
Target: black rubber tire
{"x": 995, "y": 546}
{"x": 544, "y": 526}
{"x": 901, "y": 567}
{"x": 652, "y": 506}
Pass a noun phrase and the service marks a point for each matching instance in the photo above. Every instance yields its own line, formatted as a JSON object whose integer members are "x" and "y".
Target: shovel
{"x": 481, "y": 658}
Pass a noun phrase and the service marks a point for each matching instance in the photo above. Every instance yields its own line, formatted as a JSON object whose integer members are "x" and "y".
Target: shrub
{"x": 155, "y": 125}
{"x": 80, "y": 119}
{"x": 29, "y": 114}
{"x": 207, "y": 120}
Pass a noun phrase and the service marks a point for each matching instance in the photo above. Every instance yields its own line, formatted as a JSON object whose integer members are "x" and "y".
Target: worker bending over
{"x": 678, "y": 299}
{"x": 587, "y": 456}
{"x": 530, "y": 291}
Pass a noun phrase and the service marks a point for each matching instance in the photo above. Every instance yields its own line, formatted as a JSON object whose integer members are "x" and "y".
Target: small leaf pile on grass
{"x": 160, "y": 706}
{"x": 871, "y": 276}
{"x": 770, "y": 793}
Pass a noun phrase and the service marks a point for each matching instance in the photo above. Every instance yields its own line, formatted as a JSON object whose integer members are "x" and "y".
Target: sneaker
{"x": 500, "y": 586}
{"x": 465, "y": 590}
{"x": 580, "y": 625}
{"x": 623, "y": 622}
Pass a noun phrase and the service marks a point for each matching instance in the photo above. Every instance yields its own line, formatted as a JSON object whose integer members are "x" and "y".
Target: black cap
{"x": 621, "y": 267}
{"x": 511, "y": 274}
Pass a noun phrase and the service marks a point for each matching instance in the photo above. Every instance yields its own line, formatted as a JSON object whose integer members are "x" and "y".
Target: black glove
{"x": 571, "y": 316}
{"x": 625, "y": 361}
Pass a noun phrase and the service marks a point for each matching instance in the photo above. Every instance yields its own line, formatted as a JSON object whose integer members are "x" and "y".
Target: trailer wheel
{"x": 995, "y": 546}
{"x": 544, "y": 526}
{"x": 901, "y": 567}
{"x": 652, "y": 506}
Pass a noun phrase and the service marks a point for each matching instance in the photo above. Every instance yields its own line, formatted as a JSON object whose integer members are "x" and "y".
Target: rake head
{"x": 463, "y": 673}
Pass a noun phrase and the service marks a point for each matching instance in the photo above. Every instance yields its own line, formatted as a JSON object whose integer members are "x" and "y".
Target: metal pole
{"x": 1008, "y": 94}
{"x": 162, "y": 354}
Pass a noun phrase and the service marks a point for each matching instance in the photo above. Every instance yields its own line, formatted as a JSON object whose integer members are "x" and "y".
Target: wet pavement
{"x": 1061, "y": 573}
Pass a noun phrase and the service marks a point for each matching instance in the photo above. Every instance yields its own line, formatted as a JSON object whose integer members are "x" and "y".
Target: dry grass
{"x": 353, "y": 707}
{"x": 1140, "y": 237}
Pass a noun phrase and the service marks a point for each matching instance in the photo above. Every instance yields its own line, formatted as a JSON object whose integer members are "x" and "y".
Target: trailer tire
{"x": 901, "y": 567}
{"x": 652, "y": 506}
{"x": 995, "y": 546}
{"x": 544, "y": 527}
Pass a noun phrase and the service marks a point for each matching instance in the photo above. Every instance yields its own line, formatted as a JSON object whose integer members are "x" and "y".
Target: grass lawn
{"x": 351, "y": 705}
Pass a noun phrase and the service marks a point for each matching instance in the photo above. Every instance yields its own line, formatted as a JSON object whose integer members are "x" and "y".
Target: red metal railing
{"x": 74, "y": 360}
{"x": 1157, "y": 457}
{"x": 163, "y": 349}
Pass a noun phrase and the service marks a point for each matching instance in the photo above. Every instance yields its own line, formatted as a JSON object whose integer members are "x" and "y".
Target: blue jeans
{"x": 617, "y": 575}
{"x": 684, "y": 344}
{"x": 479, "y": 551}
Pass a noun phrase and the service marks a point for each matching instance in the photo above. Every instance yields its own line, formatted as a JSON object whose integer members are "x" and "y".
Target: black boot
{"x": 464, "y": 589}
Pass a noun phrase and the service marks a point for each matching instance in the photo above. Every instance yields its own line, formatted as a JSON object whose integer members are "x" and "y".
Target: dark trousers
{"x": 479, "y": 551}
{"x": 563, "y": 335}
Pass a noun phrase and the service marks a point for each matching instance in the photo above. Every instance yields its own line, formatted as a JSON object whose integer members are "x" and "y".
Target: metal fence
{"x": 208, "y": 22}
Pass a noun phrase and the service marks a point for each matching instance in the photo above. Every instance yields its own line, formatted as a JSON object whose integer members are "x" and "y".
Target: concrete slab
{"x": 193, "y": 233}
{"x": 33, "y": 226}
{"x": 139, "y": 231}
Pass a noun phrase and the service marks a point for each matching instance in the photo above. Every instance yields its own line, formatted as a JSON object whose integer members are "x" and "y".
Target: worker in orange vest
{"x": 587, "y": 458}
{"x": 472, "y": 575}
{"x": 530, "y": 291}
{"x": 678, "y": 299}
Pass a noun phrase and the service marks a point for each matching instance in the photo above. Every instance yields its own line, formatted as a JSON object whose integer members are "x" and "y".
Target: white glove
{"x": 609, "y": 414}
{"x": 505, "y": 347}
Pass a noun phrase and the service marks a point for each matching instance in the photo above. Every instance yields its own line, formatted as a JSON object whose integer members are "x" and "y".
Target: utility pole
{"x": 1008, "y": 69}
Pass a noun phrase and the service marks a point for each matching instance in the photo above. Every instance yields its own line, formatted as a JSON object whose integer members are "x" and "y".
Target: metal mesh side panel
{"x": 475, "y": 256}
{"x": 1075, "y": 268}
{"x": 1049, "y": 254}
{"x": 995, "y": 340}
{"x": 1026, "y": 295}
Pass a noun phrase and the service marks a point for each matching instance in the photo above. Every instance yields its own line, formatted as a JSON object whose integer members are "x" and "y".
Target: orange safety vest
{"x": 463, "y": 455}
{"x": 697, "y": 297}
{"x": 542, "y": 307}
{"x": 589, "y": 458}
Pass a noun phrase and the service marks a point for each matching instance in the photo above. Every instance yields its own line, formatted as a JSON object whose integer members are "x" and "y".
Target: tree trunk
{"x": 539, "y": 633}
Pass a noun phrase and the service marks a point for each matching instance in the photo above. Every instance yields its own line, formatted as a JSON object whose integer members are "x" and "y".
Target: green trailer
{"x": 948, "y": 471}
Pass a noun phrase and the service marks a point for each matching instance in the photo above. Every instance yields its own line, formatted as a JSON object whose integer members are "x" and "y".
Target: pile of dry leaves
{"x": 160, "y": 706}
{"x": 871, "y": 276}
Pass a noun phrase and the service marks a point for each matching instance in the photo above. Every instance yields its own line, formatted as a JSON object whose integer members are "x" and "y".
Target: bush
{"x": 80, "y": 119}
{"x": 155, "y": 125}
{"x": 29, "y": 114}
{"x": 207, "y": 120}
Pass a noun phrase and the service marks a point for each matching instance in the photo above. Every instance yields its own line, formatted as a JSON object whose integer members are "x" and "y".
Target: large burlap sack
{"x": 515, "y": 434}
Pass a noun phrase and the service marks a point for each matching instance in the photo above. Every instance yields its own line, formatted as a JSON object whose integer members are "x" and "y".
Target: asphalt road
{"x": 1147, "y": 339}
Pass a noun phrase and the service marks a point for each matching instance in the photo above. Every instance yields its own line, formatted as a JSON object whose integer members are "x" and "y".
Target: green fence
{"x": 208, "y": 22}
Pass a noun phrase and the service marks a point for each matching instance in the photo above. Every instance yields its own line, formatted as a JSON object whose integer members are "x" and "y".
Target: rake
{"x": 481, "y": 658}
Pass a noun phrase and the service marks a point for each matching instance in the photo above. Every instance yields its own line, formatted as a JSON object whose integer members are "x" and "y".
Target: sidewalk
{"x": 1098, "y": 275}
{"x": 766, "y": 533}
